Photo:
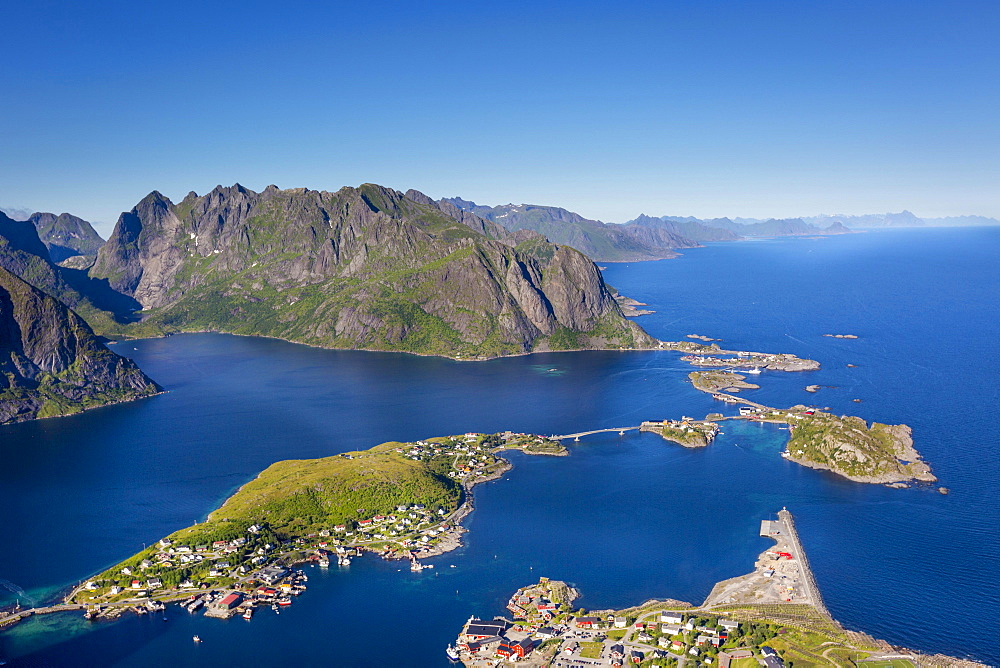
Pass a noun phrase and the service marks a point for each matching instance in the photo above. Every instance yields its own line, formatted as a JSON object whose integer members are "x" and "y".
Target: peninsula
{"x": 396, "y": 500}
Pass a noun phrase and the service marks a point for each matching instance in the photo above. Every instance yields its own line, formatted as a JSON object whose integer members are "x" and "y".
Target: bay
{"x": 623, "y": 518}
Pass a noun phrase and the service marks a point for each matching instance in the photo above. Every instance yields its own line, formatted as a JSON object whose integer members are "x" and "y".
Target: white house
{"x": 671, "y": 617}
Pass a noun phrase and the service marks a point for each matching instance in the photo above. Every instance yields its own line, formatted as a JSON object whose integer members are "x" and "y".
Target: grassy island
{"x": 847, "y": 445}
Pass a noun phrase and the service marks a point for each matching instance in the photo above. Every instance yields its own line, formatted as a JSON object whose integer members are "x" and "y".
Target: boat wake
{"x": 14, "y": 589}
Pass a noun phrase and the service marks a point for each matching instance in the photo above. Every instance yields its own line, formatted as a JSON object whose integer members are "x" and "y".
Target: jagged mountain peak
{"x": 368, "y": 267}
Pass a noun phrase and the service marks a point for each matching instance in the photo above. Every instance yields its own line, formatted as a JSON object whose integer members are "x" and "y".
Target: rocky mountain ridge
{"x": 366, "y": 267}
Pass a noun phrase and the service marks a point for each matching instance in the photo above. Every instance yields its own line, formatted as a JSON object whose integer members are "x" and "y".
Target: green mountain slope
{"x": 365, "y": 267}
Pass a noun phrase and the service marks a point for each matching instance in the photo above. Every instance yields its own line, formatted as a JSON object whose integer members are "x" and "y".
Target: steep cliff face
{"x": 51, "y": 363}
{"x": 365, "y": 267}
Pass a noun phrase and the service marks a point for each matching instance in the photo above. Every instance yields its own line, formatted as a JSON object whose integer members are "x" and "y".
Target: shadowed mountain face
{"x": 66, "y": 235}
{"x": 51, "y": 363}
{"x": 365, "y": 267}
{"x": 24, "y": 254}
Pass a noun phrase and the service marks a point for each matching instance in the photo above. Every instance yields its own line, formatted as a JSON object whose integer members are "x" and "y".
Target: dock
{"x": 24, "y": 613}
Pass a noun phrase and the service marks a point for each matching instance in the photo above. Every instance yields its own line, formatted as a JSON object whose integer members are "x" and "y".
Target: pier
{"x": 812, "y": 591}
{"x": 576, "y": 437}
{"x": 18, "y": 615}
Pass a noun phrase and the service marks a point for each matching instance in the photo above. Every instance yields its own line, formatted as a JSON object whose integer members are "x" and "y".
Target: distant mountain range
{"x": 601, "y": 241}
{"x": 902, "y": 219}
{"x": 652, "y": 238}
{"x": 745, "y": 227}
{"x": 644, "y": 238}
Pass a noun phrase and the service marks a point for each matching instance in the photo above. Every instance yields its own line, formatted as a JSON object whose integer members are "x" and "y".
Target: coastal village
{"x": 773, "y": 617}
{"x": 226, "y": 577}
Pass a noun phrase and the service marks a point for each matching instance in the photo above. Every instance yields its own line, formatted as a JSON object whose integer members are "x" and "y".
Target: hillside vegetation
{"x": 849, "y": 446}
{"x": 365, "y": 267}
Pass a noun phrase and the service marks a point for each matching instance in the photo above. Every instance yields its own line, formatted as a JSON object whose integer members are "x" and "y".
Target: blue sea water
{"x": 623, "y": 518}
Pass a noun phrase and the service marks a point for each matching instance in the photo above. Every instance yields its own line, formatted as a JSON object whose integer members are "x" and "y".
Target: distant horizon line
{"x": 22, "y": 213}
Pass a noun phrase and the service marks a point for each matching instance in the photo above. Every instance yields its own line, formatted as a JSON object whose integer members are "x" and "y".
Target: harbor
{"x": 773, "y": 616}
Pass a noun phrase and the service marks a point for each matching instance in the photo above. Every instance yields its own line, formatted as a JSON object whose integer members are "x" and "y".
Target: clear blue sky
{"x": 704, "y": 108}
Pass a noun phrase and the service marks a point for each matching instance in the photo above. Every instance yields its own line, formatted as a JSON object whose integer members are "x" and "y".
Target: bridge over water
{"x": 576, "y": 437}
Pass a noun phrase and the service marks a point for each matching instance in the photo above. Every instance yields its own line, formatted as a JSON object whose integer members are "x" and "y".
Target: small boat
{"x": 248, "y": 613}
{"x": 754, "y": 370}
{"x": 275, "y": 608}
{"x": 196, "y": 638}
{"x": 284, "y": 601}
{"x": 324, "y": 562}
{"x": 452, "y": 653}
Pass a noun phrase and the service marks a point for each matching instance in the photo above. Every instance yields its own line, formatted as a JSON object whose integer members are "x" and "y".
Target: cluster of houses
{"x": 176, "y": 556}
{"x": 473, "y": 453}
{"x": 472, "y": 456}
{"x": 539, "y": 607}
{"x": 541, "y": 615}
{"x": 408, "y": 519}
{"x": 673, "y": 629}
{"x": 684, "y": 429}
{"x": 494, "y": 638}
